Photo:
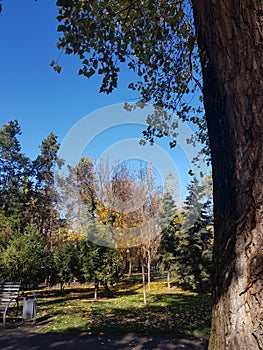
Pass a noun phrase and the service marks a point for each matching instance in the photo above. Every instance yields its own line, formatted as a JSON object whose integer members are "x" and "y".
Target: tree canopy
{"x": 155, "y": 39}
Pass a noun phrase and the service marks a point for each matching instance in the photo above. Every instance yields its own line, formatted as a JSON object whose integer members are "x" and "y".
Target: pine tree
{"x": 24, "y": 257}
{"x": 15, "y": 177}
{"x": 45, "y": 198}
{"x": 65, "y": 263}
{"x": 196, "y": 249}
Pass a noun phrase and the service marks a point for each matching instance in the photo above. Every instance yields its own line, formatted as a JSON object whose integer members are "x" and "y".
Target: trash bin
{"x": 30, "y": 307}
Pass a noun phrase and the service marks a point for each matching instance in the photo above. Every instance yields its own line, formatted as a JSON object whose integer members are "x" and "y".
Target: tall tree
{"x": 195, "y": 252}
{"x": 230, "y": 39}
{"x": 79, "y": 204}
{"x": 121, "y": 197}
{"x": 158, "y": 39}
{"x": 15, "y": 176}
{"x": 6, "y": 231}
{"x": 45, "y": 196}
{"x": 150, "y": 223}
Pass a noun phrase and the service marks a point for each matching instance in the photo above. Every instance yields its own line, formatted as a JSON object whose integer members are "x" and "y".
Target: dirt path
{"x": 29, "y": 337}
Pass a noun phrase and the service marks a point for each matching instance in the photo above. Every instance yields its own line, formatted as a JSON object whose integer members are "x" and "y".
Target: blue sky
{"x": 30, "y": 90}
{"x": 44, "y": 101}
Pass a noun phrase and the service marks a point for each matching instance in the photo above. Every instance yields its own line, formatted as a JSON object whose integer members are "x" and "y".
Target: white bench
{"x": 8, "y": 296}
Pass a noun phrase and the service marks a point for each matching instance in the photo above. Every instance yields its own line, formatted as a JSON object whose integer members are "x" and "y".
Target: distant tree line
{"x": 39, "y": 244}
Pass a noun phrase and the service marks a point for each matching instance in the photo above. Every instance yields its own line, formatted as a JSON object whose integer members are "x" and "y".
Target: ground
{"x": 75, "y": 321}
{"x": 29, "y": 337}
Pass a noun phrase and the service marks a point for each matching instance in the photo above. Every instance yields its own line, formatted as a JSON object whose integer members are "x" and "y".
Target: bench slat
{"x": 8, "y": 296}
{"x": 6, "y": 300}
{"x": 9, "y": 289}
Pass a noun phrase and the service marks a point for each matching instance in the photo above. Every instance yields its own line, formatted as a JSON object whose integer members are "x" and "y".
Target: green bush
{"x": 24, "y": 257}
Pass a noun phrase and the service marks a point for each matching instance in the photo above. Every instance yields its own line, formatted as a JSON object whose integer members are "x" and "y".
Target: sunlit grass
{"x": 122, "y": 310}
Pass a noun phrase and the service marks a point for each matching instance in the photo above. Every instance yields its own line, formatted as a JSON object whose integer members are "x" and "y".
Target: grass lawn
{"x": 122, "y": 311}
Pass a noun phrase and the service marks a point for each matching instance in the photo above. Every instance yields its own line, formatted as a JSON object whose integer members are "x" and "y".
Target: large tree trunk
{"x": 230, "y": 39}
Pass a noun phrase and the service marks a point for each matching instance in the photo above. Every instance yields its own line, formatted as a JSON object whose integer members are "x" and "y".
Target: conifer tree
{"x": 24, "y": 257}
{"x": 45, "y": 198}
{"x": 15, "y": 177}
{"x": 195, "y": 259}
{"x": 99, "y": 264}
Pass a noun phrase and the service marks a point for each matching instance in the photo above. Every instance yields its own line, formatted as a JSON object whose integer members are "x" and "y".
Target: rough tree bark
{"x": 230, "y": 39}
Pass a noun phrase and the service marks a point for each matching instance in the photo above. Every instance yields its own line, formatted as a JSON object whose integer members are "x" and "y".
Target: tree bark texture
{"x": 230, "y": 40}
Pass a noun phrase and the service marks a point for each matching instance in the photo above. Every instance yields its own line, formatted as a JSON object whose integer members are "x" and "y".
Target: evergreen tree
{"x": 66, "y": 263}
{"x": 24, "y": 257}
{"x": 15, "y": 177}
{"x": 44, "y": 209}
{"x": 100, "y": 264}
{"x": 6, "y": 231}
{"x": 195, "y": 259}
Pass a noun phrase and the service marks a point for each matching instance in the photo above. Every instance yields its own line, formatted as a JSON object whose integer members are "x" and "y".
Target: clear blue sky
{"x": 42, "y": 100}
{"x": 30, "y": 90}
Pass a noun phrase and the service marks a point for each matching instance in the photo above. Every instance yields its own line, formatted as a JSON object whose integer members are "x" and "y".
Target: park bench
{"x": 8, "y": 296}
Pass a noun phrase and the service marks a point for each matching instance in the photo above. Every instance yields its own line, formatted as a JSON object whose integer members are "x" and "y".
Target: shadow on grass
{"x": 177, "y": 314}
{"x": 54, "y": 296}
{"x": 167, "y": 312}
{"x": 114, "y": 321}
